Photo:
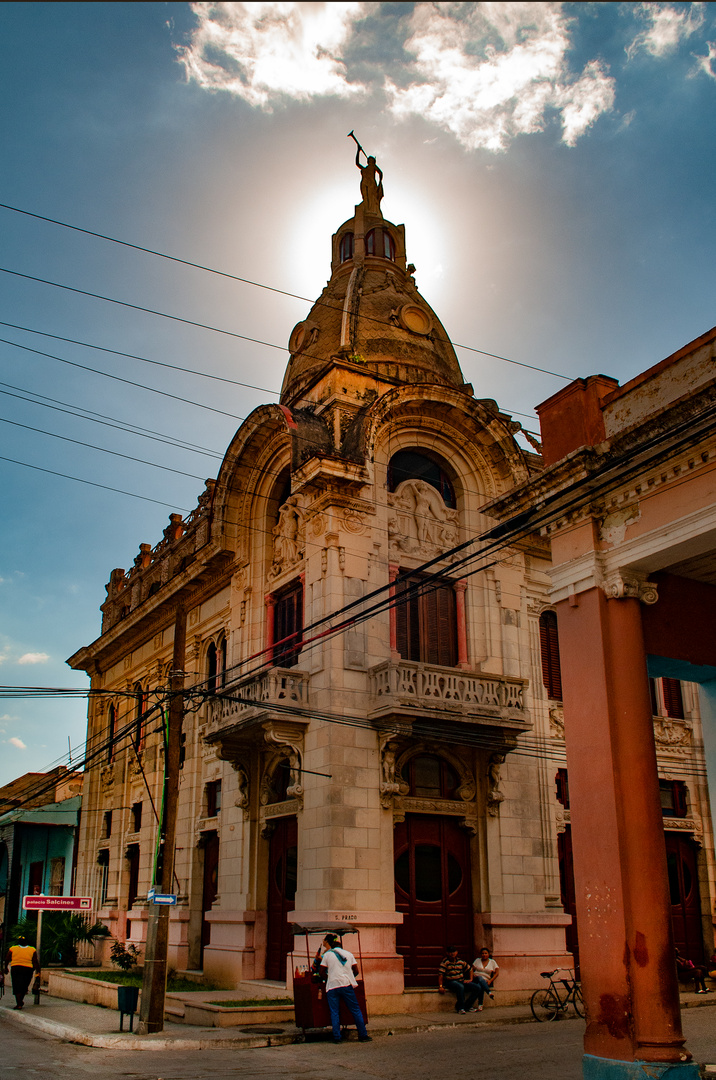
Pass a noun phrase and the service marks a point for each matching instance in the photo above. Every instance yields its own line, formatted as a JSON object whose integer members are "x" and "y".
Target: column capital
{"x": 595, "y": 570}
{"x": 624, "y": 584}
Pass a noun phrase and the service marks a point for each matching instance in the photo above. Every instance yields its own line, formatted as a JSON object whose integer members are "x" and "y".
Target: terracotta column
{"x": 626, "y": 947}
{"x": 270, "y": 602}
{"x": 393, "y": 571}
{"x": 461, "y": 620}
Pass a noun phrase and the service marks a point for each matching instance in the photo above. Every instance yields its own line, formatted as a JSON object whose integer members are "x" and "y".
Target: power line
{"x": 103, "y": 449}
{"x": 105, "y": 420}
{"x": 92, "y": 483}
{"x": 248, "y": 281}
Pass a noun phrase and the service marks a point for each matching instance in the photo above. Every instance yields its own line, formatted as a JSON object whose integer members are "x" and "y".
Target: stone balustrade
{"x": 277, "y": 686}
{"x": 405, "y": 686}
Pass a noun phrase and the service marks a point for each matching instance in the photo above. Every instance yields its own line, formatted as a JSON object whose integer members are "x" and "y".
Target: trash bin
{"x": 127, "y": 998}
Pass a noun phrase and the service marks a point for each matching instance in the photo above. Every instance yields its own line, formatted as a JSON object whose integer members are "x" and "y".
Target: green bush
{"x": 125, "y": 957}
{"x": 62, "y": 932}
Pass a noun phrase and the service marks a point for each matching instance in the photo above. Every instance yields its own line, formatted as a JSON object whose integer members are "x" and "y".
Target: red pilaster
{"x": 461, "y": 619}
{"x": 626, "y": 946}
{"x": 393, "y": 570}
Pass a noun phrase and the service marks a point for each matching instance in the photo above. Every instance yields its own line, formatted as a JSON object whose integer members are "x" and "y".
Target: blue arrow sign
{"x": 164, "y": 898}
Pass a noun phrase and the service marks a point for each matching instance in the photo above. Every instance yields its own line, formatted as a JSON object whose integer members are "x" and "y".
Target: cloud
{"x": 490, "y": 72}
{"x": 707, "y": 63}
{"x": 14, "y": 741}
{"x": 34, "y": 658}
{"x": 265, "y": 52}
{"x": 666, "y": 27}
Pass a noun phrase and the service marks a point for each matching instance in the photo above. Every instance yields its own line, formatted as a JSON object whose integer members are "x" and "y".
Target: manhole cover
{"x": 262, "y": 1030}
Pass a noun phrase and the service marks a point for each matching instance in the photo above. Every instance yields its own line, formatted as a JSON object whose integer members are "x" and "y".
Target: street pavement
{"x": 499, "y": 1044}
{"x": 468, "y": 1048}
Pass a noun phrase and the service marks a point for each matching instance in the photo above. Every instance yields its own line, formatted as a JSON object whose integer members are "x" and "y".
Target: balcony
{"x": 415, "y": 691}
{"x": 249, "y": 698}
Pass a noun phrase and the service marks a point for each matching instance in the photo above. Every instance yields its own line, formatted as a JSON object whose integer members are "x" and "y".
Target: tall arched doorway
{"x": 282, "y": 878}
{"x": 681, "y": 856}
{"x": 433, "y": 892}
{"x": 210, "y": 887}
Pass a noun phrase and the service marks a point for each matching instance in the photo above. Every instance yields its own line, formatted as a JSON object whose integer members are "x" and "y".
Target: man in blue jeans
{"x": 340, "y": 968}
{"x": 456, "y": 976}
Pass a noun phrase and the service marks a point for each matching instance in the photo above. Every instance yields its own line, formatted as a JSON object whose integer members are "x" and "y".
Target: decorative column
{"x": 626, "y": 947}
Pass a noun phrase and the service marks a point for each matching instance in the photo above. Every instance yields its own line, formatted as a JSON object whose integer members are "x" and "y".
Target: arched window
{"x": 549, "y": 652}
{"x": 415, "y": 465}
{"x": 345, "y": 248}
{"x": 212, "y": 668}
{"x": 380, "y": 242}
{"x": 430, "y": 777}
{"x": 111, "y": 729}
{"x": 139, "y": 710}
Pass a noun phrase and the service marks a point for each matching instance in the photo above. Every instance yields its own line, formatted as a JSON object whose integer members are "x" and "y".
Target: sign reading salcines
{"x": 57, "y": 903}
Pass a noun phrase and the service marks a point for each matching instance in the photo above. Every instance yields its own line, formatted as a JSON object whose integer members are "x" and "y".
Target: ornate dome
{"x": 370, "y": 312}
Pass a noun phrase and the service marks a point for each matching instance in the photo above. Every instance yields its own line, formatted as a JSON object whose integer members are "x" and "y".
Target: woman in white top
{"x": 484, "y": 972}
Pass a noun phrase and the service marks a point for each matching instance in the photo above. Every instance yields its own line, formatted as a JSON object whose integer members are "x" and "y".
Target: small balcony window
{"x": 673, "y": 798}
{"x": 213, "y": 798}
{"x": 345, "y": 248}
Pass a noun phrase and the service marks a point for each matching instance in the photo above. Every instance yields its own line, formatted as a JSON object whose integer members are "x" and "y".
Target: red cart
{"x": 309, "y": 990}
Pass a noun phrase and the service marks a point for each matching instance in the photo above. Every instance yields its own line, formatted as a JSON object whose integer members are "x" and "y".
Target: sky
{"x": 553, "y": 165}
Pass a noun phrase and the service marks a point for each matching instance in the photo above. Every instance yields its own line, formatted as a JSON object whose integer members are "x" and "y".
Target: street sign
{"x": 164, "y": 898}
{"x": 57, "y": 903}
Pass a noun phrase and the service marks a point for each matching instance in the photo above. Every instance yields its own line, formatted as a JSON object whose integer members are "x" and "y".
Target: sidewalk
{"x": 91, "y": 1025}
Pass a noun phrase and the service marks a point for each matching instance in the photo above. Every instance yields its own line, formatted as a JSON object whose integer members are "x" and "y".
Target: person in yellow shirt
{"x": 20, "y": 962}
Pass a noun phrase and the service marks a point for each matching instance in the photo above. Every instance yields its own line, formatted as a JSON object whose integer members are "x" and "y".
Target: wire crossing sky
{"x": 552, "y": 164}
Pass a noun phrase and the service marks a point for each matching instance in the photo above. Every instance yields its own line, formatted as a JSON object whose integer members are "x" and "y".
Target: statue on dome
{"x": 371, "y": 179}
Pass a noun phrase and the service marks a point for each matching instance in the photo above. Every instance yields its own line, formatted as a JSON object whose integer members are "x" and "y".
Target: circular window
{"x": 416, "y": 319}
{"x": 297, "y": 339}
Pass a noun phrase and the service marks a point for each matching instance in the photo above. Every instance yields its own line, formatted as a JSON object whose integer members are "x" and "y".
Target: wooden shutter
{"x": 407, "y": 619}
{"x": 673, "y": 701}
{"x": 288, "y": 627}
{"x": 549, "y": 652}
{"x": 438, "y": 636}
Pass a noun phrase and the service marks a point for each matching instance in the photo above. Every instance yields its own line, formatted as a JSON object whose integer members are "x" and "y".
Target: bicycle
{"x": 547, "y": 1003}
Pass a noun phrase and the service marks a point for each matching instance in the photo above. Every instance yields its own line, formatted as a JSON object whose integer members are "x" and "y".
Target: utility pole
{"x": 154, "y": 981}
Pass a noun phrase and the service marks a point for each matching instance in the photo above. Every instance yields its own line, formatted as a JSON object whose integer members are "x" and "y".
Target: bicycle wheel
{"x": 578, "y": 1001}
{"x": 545, "y": 1005}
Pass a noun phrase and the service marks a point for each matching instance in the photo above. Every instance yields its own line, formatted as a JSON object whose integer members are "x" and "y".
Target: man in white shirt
{"x": 341, "y": 969}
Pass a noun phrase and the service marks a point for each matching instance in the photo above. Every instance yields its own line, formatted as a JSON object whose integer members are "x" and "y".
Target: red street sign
{"x": 57, "y": 903}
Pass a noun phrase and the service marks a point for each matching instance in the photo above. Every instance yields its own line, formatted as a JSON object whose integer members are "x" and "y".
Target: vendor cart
{"x": 309, "y": 989}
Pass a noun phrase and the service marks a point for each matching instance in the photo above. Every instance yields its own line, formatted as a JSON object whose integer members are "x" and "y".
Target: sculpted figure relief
{"x": 288, "y": 537}
{"x": 419, "y": 520}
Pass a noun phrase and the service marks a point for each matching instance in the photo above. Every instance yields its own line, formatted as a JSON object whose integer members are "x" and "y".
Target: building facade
{"x": 371, "y": 734}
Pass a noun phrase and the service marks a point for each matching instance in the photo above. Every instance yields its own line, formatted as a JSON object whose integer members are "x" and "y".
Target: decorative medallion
{"x": 415, "y": 319}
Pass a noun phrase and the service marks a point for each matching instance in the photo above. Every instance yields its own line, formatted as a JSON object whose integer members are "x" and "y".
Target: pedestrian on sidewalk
{"x": 20, "y": 962}
{"x": 455, "y": 975}
{"x": 340, "y": 968}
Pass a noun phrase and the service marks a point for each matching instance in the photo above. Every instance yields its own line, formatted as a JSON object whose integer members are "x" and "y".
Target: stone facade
{"x": 389, "y": 764}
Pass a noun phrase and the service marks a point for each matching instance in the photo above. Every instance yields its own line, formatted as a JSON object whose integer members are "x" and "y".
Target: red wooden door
{"x": 283, "y": 867}
{"x": 685, "y": 898}
{"x": 433, "y": 891}
{"x": 568, "y": 897}
{"x": 210, "y": 887}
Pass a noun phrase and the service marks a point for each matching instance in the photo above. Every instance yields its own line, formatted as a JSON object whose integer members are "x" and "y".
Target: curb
{"x": 129, "y": 1041}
